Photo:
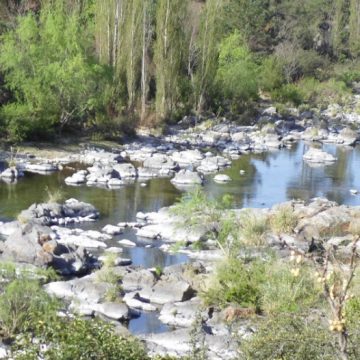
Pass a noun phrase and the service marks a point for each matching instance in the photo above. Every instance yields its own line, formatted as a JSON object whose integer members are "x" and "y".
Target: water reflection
{"x": 268, "y": 178}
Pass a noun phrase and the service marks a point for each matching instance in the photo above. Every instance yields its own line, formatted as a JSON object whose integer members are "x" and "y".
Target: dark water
{"x": 269, "y": 178}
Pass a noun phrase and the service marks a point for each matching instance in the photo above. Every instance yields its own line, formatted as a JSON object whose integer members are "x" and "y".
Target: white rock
{"x": 222, "y": 178}
{"x": 314, "y": 155}
{"x": 126, "y": 242}
{"x": 112, "y": 230}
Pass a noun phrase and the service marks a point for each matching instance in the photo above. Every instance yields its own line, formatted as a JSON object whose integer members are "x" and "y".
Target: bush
{"x": 271, "y": 76}
{"x": 283, "y": 220}
{"x": 235, "y": 282}
{"x": 23, "y": 306}
{"x": 289, "y": 337}
{"x": 237, "y": 74}
{"x": 253, "y": 228}
{"x": 286, "y": 291}
{"x": 82, "y": 340}
{"x": 289, "y": 93}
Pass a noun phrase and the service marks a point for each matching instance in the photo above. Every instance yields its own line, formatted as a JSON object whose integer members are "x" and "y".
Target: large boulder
{"x": 160, "y": 162}
{"x": 53, "y": 213}
{"x": 188, "y": 157}
{"x": 318, "y": 156}
{"x": 37, "y": 245}
{"x": 187, "y": 177}
{"x": 125, "y": 170}
{"x": 213, "y": 164}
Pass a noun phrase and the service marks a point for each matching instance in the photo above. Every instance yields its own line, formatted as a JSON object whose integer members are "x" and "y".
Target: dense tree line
{"x": 111, "y": 64}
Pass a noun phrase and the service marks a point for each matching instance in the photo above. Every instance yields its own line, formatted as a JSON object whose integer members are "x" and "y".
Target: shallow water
{"x": 269, "y": 178}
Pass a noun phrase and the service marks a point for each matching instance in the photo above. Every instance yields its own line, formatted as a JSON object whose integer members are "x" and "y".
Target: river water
{"x": 268, "y": 178}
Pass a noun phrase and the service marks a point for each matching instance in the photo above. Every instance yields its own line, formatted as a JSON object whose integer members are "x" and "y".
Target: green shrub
{"x": 253, "y": 228}
{"x": 83, "y": 340}
{"x": 289, "y": 337}
{"x": 23, "y": 305}
{"x": 235, "y": 282}
{"x": 288, "y": 93}
{"x": 285, "y": 292}
{"x": 283, "y": 220}
{"x": 271, "y": 76}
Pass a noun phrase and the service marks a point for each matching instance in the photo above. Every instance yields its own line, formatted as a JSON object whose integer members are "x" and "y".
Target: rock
{"x": 187, "y": 157}
{"x": 112, "y": 230}
{"x": 135, "y": 280}
{"x": 160, "y": 162}
{"x": 35, "y": 244}
{"x": 222, "y": 178}
{"x": 180, "y": 314}
{"x": 9, "y": 228}
{"x": 101, "y": 157}
{"x": 126, "y": 242}
{"x": 314, "y": 155}
{"x": 213, "y": 164}
{"x": 187, "y": 177}
{"x": 85, "y": 290}
{"x": 31, "y": 244}
{"x": 168, "y": 289}
{"x": 3, "y": 353}
{"x": 115, "y": 311}
{"x": 348, "y": 137}
{"x": 115, "y": 183}
{"x": 125, "y": 170}
{"x": 134, "y": 301}
{"x": 114, "y": 250}
{"x": 10, "y": 174}
{"x": 41, "y": 168}
{"x": 76, "y": 179}
{"x": 270, "y": 111}
{"x": 242, "y": 172}
{"x": 354, "y": 191}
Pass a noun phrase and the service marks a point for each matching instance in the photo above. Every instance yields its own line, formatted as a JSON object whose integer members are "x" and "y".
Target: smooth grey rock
{"x": 222, "y": 178}
{"x": 314, "y": 155}
{"x": 187, "y": 177}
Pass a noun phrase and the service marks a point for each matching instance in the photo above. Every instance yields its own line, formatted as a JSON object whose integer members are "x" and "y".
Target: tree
{"x": 208, "y": 50}
{"x": 169, "y": 54}
{"x": 354, "y": 28}
{"x": 237, "y": 73}
{"x": 46, "y": 66}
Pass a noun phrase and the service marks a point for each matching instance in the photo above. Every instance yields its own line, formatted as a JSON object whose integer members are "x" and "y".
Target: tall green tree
{"x": 208, "y": 41}
{"x": 47, "y": 67}
{"x": 169, "y": 54}
{"x": 354, "y": 28}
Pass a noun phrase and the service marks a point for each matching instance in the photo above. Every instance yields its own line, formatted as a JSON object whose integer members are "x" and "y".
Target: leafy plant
{"x": 283, "y": 220}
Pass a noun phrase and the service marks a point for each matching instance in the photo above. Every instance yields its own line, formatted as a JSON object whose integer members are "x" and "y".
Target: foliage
{"x": 46, "y": 66}
{"x": 237, "y": 71}
{"x": 252, "y": 229}
{"x": 54, "y": 196}
{"x": 289, "y": 337}
{"x": 235, "y": 282}
{"x": 23, "y": 306}
{"x": 84, "y": 339}
{"x": 288, "y": 290}
{"x": 288, "y": 93}
{"x": 283, "y": 220}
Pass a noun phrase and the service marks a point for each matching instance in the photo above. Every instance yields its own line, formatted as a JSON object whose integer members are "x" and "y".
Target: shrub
{"x": 287, "y": 291}
{"x": 289, "y": 337}
{"x": 84, "y": 340}
{"x": 253, "y": 228}
{"x": 288, "y": 93}
{"x": 271, "y": 76}
{"x": 283, "y": 220}
{"x": 23, "y": 305}
{"x": 235, "y": 282}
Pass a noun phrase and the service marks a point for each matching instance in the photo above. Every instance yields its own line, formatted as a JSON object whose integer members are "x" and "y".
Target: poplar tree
{"x": 208, "y": 52}
{"x": 354, "y": 28}
{"x": 169, "y": 53}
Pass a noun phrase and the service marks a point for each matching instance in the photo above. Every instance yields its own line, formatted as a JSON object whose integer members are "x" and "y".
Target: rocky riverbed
{"x": 123, "y": 210}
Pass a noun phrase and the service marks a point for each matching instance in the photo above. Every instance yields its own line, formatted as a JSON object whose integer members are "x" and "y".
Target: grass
{"x": 283, "y": 220}
{"x": 253, "y": 228}
{"x": 54, "y": 196}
